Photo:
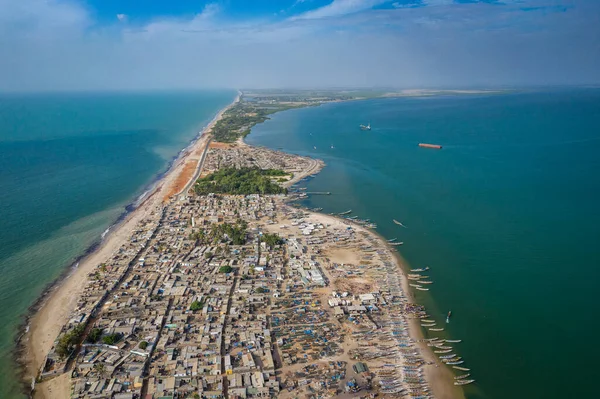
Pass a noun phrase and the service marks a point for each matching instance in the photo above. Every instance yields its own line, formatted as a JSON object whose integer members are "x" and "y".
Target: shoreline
{"x": 46, "y": 316}
{"x": 49, "y": 313}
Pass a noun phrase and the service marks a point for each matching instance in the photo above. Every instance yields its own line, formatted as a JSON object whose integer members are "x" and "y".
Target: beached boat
{"x": 425, "y": 282}
{"x": 420, "y": 270}
{"x": 461, "y": 368}
{"x": 454, "y": 341}
{"x": 463, "y": 382}
{"x": 455, "y": 363}
{"x": 392, "y": 239}
{"x": 397, "y": 243}
{"x": 460, "y": 377}
{"x": 422, "y": 289}
{"x": 448, "y": 356}
{"x": 444, "y": 351}
{"x": 427, "y": 321}
{"x": 399, "y": 223}
{"x": 436, "y": 329}
{"x": 345, "y": 213}
{"x": 415, "y": 285}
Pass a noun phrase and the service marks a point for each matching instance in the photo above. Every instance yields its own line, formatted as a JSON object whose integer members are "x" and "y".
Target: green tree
{"x": 143, "y": 345}
{"x": 94, "y": 335}
{"x": 225, "y": 269}
{"x": 112, "y": 339}
{"x": 196, "y": 305}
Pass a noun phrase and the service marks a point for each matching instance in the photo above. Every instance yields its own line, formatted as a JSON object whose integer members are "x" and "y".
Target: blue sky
{"x": 141, "y": 44}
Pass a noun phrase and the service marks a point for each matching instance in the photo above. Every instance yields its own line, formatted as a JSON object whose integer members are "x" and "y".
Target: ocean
{"x": 506, "y": 215}
{"x": 70, "y": 164}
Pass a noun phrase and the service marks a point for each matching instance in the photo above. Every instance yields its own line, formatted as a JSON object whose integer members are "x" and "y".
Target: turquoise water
{"x": 506, "y": 215}
{"x": 69, "y": 164}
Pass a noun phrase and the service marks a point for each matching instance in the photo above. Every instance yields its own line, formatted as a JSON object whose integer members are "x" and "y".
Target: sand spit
{"x": 55, "y": 309}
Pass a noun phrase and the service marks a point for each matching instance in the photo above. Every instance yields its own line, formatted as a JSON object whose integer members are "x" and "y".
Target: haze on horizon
{"x": 127, "y": 44}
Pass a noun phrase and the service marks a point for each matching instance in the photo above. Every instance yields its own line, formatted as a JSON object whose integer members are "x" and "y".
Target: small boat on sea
{"x": 427, "y": 321}
{"x": 345, "y": 213}
{"x": 392, "y": 240}
{"x": 399, "y": 223}
{"x": 448, "y": 317}
{"x": 448, "y": 356}
{"x": 455, "y": 363}
{"x": 461, "y": 368}
{"x": 420, "y": 270}
{"x": 397, "y": 243}
{"x": 425, "y": 282}
{"x": 463, "y": 382}
{"x": 436, "y": 329}
{"x": 454, "y": 341}
{"x": 423, "y": 289}
{"x": 365, "y": 127}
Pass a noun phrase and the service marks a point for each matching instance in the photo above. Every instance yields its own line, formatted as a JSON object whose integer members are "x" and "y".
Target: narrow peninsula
{"x": 217, "y": 286}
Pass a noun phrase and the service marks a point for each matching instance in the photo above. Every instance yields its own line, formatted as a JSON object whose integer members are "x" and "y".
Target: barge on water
{"x": 434, "y": 146}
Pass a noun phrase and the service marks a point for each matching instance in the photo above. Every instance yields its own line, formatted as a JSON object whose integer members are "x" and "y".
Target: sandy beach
{"x": 439, "y": 377}
{"x": 46, "y": 323}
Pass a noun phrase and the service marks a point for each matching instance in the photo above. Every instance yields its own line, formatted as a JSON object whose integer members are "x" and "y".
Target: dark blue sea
{"x": 506, "y": 214}
{"x": 69, "y": 165}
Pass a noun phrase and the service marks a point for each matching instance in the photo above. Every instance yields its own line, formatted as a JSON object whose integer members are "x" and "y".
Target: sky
{"x": 188, "y": 44}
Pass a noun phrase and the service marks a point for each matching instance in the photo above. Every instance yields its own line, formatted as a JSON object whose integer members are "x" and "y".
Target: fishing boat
{"x": 454, "y": 341}
{"x": 423, "y": 289}
{"x": 445, "y": 351}
{"x": 425, "y": 282}
{"x": 455, "y": 363}
{"x": 392, "y": 240}
{"x": 365, "y": 127}
{"x": 397, "y": 243}
{"x": 460, "y": 377}
{"x": 427, "y": 321}
{"x": 448, "y": 317}
{"x": 420, "y": 270}
{"x": 463, "y": 382}
{"x": 436, "y": 329}
{"x": 448, "y": 356}
{"x": 314, "y": 147}
{"x": 461, "y": 368}
{"x": 415, "y": 285}
{"x": 345, "y": 213}
{"x": 399, "y": 223}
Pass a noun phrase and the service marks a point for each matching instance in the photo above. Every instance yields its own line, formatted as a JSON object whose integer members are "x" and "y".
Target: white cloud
{"x": 339, "y": 7}
{"x": 56, "y": 44}
{"x": 122, "y": 17}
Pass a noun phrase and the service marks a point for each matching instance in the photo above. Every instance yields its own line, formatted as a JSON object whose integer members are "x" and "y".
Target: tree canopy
{"x": 271, "y": 239}
{"x": 243, "y": 181}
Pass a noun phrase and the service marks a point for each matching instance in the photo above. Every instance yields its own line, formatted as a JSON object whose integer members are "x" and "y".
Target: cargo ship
{"x": 435, "y": 146}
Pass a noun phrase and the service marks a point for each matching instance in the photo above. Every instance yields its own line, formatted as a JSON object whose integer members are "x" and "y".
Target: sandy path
{"x": 46, "y": 323}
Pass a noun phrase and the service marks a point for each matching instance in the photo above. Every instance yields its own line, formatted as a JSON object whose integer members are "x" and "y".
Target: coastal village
{"x": 220, "y": 295}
